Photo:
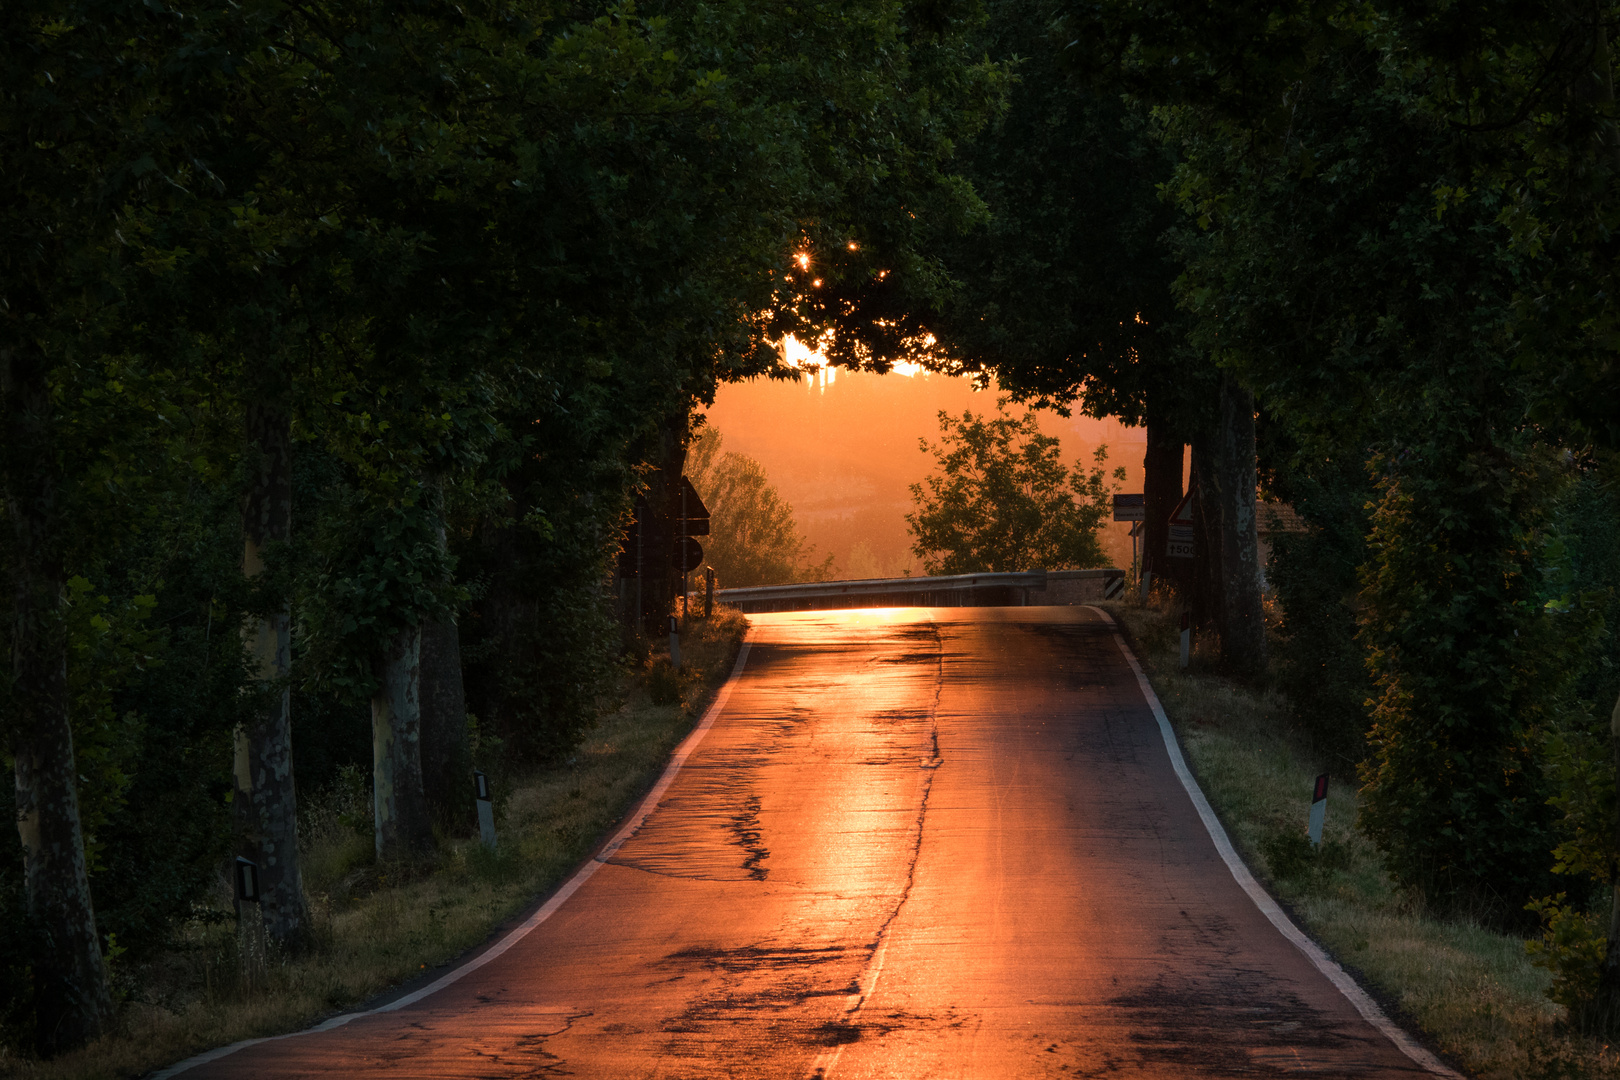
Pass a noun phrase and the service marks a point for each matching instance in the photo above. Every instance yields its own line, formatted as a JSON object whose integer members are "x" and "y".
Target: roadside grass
{"x": 1470, "y": 991}
{"x": 376, "y": 926}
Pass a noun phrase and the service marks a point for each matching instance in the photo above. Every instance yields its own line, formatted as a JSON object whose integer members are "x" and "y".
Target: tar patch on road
{"x": 1241, "y": 1022}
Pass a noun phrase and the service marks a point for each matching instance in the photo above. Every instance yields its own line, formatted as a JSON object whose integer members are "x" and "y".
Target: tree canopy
{"x": 1004, "y": 501}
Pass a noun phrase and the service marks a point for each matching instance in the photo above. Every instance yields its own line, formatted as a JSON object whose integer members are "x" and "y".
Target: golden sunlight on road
{"x": 915, "y": 843}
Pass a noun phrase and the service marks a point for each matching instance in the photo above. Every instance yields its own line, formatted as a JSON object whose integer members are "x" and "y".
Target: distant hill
{"x": 842, "y": 448}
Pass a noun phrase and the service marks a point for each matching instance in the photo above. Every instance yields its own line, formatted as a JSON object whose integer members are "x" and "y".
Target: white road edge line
{"x": 549, "y": 908}
{"x": 1365, "y": 1005}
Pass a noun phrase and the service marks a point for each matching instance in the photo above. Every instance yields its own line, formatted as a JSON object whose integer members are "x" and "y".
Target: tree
{"x": 1005, "y": 501}
{"x": 1347, "y": 260}
{"x": 753, "y": 538}
{"x": 460, "y": 270}
{"x": 83, "y": 154}
{"x": 1065, "y": 297}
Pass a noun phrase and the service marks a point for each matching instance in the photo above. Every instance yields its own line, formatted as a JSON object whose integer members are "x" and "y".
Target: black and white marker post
{"x": 250, "y": 936}
{"x": 1318, "y": 810}
{"x": 675, "y": 643}
{"x": 1186, "y": 638}
{"x": 486, "y": 810}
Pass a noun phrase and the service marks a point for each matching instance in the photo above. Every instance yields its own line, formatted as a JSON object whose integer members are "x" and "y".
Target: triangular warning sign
{"x": 1183, "y": 513}
{"x": 1181, "y": 541}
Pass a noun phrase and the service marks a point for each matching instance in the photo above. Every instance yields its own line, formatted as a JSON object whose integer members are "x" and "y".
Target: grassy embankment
{"x": 379, "y": 926}
{"x": 1471, "y": 991}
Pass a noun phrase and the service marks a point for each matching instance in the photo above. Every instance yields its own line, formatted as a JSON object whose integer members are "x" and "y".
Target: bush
{"x": 664, "y": 683}
{"x": 1572, "y": 945}
{"x": 1321, "y": 667}
{"x": 1469, "y": 671}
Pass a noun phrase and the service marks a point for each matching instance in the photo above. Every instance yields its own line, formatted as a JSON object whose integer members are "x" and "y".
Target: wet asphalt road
{"x": 916, "y": 843}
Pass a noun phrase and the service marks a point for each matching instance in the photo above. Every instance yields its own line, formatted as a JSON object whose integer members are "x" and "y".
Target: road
{"x": 915, "y": 843}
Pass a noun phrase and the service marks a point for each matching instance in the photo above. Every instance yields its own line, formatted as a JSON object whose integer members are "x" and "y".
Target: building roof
{"x": 1277, "y": 517}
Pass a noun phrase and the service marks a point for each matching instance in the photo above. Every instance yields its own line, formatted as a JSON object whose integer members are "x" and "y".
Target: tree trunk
{"x": 656, "y": 512}
{"x": 266, "y": 801}
{"x": 1608, "y": 995}
{"x": 446, "y": 759}
{"x": 1243, "y": 621}
{"x": 404, "y": 830}
{"x": 71, "y": 1000}
{"x": 1161, "y": 491}
{"x": 1204, "y": 580}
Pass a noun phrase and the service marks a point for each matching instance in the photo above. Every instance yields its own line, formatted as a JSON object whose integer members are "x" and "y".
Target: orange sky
{"x": 842, "y": 448}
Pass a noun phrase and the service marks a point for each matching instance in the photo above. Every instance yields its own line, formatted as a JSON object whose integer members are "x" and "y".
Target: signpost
{"x": 688, "y": 553}
{"x": 1143, "y": 576}
{"x": 1132, "y": 508}
{"x": 1182, "y": 543}
{"x": 657, "y": 543}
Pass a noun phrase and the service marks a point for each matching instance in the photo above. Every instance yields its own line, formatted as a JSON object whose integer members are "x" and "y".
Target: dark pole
{"x": 685, "y": 581}
{"x": 641, "y": 529}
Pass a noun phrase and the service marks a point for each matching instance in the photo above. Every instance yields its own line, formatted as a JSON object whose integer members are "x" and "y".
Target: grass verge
{"x": 1470, "y": 990}
{"x": 379, "y": 926}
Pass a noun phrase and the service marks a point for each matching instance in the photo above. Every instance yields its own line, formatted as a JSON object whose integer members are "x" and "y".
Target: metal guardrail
{"x": 961, "y": 590}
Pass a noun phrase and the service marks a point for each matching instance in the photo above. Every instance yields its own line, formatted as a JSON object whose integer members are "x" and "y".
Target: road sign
{"x": 1181, "y": 543}
{"x": 691, "y": 549}
{"x": 694, "y": 515}
{"x": 692, "y": 520}
{"x": 1130, "y": 507}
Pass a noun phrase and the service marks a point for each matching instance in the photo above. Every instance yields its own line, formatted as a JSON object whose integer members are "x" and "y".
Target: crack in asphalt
{"x": 842, "y": 1032}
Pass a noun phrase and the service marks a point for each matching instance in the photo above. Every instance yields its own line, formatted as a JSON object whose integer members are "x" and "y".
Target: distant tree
{"x": 753, "y": 538}
{"x": 1006, "y": 501}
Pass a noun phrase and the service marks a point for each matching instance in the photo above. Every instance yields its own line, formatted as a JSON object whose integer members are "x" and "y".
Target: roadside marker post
{"x": 251, "y": 942}
{"x": 486, "y": 810}
{"x": 1318, "y": 810}
{"x": 247, "y": 881}
{"x": 674, "y": 643}
{"x": 1364, "y": 1004}
{"x": 1186, "y": 638}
